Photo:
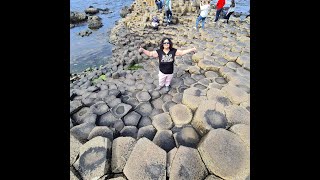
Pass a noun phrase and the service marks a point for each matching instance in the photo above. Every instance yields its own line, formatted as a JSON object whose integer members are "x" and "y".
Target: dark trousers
{"x": 169, "y": 15}
{"x": 159, "y": 5}
{"x": 218, "y": 14}
{"x": 228, "y": 16}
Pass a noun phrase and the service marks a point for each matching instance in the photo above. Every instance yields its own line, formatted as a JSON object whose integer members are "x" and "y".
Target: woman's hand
{"x": 140, "y": 49}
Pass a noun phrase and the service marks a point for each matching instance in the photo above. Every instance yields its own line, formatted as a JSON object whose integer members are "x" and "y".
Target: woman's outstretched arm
{"x": 148, "y": 53}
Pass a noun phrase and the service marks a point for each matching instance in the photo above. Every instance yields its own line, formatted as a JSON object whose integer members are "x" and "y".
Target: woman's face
{"x": 166, "y": 44}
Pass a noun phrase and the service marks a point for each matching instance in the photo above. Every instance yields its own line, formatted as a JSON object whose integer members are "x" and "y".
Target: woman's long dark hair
{"x": 170, "y": 42}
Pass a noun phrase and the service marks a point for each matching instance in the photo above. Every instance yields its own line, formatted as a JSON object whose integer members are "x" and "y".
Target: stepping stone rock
{"x": 103, "y": 131}
{"x": 89, "y": 100}
{"x": 167, "y": 105}
{"x": 99, "y": 108}
{"x": 220, "y": 80}
{"x": 237, "y": 115}
{"x": 129, "y": 131}
{"x": 121, "y": 110}
{"x": 187, "y": 164}
{"x": 177, "y": 98}
{"x": 192, "y": 97}
{"x": 114, "y": 92}
{"x": 102, "y": 94}
{"x": 118, "y": 125}
{"x": 180, "y": 114}
{"x": 131, "y": 119}
{"x": 75, "y": 106}
{"x": 209, "y": 115}
{"x": 114, "y": 102}
{"x": 147, "y": 132}
{"x": 107, "y": 119}
{"x": 243, "y": 131}
{"x": 209, "y": 65}
{"x": 121, "y": 150}
{"x": 144, "y": 121}
{"x": 146, "y": 161}
{"x": 82, "y": 131}
{"x": 95, "y": 156}
{"x": 162, "y": 121}
{"x": 211, "y": 74}
{"x": 225, "y": 154}
{"x": 166, "y": 97}
{"x": 144, "y": 109}
{"x": 235, "y": 94}
{"x": 131, "y": 101}
{"x": 164, "y": 139}
{"x": 74, "y": 149}
{"x": 157, "y": 103}
{"x": 218, "y": 96}
{"x": 156, "y": 112}
{"x": 80, "y": 115}
{"x": 143, "y": 96}
{"x": 187, "y": 137}
{"x": 155, "y": 94}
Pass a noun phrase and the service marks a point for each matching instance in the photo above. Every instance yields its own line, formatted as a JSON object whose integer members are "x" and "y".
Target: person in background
{"x": 155, "y": 23}
{"x": 166, "y": 54}
{"x": 168, "y": 10}
{"x": 230, "y": 11}
{"x": 204, "y": 7}
{"x": 159, "y": 5}
{"x": 219, "y": 8}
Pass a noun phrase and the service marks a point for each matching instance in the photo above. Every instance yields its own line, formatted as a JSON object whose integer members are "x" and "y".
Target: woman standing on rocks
{"x": 166, "y": 55}
{"x": 230, "y": 11}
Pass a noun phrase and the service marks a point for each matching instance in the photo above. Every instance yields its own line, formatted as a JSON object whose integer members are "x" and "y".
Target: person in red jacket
{"x": 219, "y": 7}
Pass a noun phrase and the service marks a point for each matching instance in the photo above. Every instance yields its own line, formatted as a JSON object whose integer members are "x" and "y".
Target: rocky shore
{"x": 120, "y": 128}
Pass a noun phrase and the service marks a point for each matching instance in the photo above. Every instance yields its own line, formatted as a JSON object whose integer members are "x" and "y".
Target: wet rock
{"x": 107, "y": 119}
{"x": 187, "y": 137}
{"x": 164, "y": 139}
{"x": 99, "y": 108}
{"x": 129, "y": 131}
{"x": 144, "y": 109}
{"x": 121, "y": 110}
{"x": 209, "y": 115}
{"x": 82, "y": 131}
{"x": 144, "y": 121}
{"x": 95, "y": 156}
{"x": 147, "y": 132}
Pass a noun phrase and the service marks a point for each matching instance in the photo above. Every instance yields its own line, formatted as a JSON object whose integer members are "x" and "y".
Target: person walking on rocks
{"x": 230, "y": 11}
{"x": 204, "y": 7}
{"x": 219, "y": 7}
{"x": 166, "y": 55}
{"x": 159, "y": 5}
{"x": 168, "y": 10}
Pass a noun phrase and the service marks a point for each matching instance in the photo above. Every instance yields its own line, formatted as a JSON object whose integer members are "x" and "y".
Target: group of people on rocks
{"x": 204, "y": 11}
